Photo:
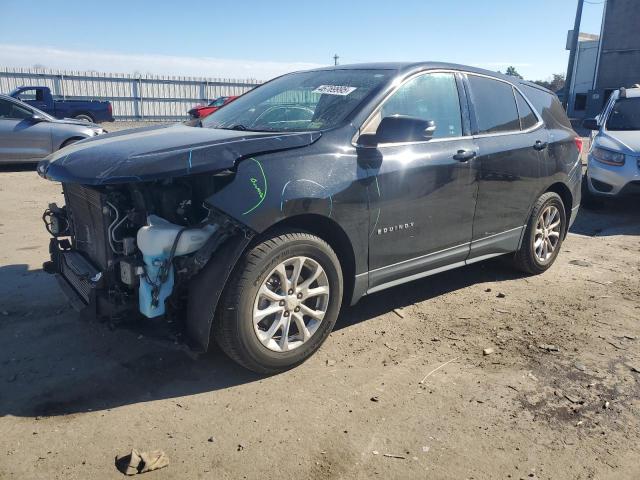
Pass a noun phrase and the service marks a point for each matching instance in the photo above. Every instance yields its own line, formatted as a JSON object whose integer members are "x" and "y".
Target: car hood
{"x": 161, "y": 152}
{"x": 625, "y": 141}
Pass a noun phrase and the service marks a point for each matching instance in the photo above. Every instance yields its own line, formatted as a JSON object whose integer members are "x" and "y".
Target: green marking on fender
{"x": 254, "y": 182}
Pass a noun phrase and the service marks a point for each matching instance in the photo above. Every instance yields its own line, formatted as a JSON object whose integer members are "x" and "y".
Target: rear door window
{"x": 494, "y": 105}
{"x": 528, "y": 119}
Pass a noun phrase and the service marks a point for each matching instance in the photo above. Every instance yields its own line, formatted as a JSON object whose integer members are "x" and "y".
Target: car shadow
{"x": 371, "y": 306}
{"x": 55, "y": 362}
{"x": 614, "y": 217}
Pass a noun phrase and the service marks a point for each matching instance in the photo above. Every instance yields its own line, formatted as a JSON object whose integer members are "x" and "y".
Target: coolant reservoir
{"x": 155, "y": 241}
{"x": 156, "y": 238}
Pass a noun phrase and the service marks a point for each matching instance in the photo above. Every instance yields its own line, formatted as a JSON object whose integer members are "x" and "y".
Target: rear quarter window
{"x": 548, "y": 106}
{"x": 528, "y": 119}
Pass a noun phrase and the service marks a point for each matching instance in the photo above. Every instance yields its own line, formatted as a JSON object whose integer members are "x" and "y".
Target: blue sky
{"x": 259, "y": 39}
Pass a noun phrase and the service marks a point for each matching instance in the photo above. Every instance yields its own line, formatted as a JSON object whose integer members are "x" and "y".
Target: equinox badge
{"x": 395, "y": 228}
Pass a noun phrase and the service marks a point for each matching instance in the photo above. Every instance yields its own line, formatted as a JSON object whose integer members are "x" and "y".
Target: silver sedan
{"x": 28, "y": 134}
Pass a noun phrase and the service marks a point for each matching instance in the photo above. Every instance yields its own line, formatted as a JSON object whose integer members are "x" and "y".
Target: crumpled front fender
{"x": 205, "y": 290}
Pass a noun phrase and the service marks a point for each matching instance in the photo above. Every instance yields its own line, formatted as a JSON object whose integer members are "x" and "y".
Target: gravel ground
{"x": 558, "y": 398}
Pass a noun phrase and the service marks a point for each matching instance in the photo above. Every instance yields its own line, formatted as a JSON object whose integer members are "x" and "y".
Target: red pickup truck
{"x": 201, "y": 111}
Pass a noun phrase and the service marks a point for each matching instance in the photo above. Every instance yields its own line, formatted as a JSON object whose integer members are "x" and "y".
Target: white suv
{"x": 614, "y": 158}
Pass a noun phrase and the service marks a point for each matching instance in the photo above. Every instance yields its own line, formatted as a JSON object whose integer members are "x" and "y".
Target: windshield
{"x": 299, "y": 101}
{"x": 218, "y": 102}
{"x": 625, "y": 115}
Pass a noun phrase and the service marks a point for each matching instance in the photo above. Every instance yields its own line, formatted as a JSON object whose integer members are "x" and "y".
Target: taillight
{"x": 109, "y": 108}
{"x": 578, "y": 141}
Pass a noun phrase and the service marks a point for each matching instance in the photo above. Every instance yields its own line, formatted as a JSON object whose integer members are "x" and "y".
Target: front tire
{"x": 543, "y": 236}
{"x": 281, "y": 302}
{"x": 85, "y": 117}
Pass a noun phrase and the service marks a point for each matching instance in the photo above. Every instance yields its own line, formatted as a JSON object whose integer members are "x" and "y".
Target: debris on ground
{"x": 580, "y": 366}
{"x": 141, "y": 462}
{"x": 500, "y": 295}
{"x": 580, "y": 263}
{"x": 375, "y": 399}
{"x": 399, "y": 312}
{"x": 573, "y": 399}
{"x": 331, "y": 363}
{"x": 488, "y": 351}
{"x": 618, "y": 347}
{"x": 211, "y": 439}
{"x": 391, "y": 455}
{"x": 390, "y": 347}
{"x": 436, "y": 369}
{"x": 549, "y": 348}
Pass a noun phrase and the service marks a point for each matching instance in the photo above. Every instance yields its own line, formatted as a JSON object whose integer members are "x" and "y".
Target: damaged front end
{"x": 149, "y": 211}
{"x": 124, "y": 250}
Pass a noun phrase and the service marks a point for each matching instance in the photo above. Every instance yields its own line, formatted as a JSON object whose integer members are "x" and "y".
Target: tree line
{"x": 555, "y": 83}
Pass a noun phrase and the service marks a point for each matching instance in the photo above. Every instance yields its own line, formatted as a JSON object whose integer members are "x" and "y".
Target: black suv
{"x": 254, "y": 226}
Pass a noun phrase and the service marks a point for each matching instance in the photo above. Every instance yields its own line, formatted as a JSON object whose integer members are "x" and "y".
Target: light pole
{"x": 335, "y": 59}
{"x": 572, "y": 55}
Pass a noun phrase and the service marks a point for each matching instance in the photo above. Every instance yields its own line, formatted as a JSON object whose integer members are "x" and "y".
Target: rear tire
{"x": 272, "y": 343}
{"x": 543, "y": 236}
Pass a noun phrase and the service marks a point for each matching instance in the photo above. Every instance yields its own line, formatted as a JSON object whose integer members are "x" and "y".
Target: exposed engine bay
{"x": 132, "y": 248}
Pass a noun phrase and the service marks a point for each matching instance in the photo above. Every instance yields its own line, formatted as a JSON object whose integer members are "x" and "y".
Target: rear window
{"x": 527, "y": 118}
{"x": 494, "y": 105}
{"x": 548, "y": 105}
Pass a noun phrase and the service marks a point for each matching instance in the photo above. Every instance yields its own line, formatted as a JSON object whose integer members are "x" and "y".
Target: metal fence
{"x": 134, "y": 97}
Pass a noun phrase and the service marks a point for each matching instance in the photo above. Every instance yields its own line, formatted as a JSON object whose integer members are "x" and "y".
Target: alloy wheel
{"x": 547, "y": 234}
{"x": 291, "y": 304}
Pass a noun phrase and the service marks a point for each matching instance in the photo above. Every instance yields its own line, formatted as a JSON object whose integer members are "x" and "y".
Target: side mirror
{"x": 37, "y": 118}
{"x": 590, "y": 124}
{"x": 401, "y": 128}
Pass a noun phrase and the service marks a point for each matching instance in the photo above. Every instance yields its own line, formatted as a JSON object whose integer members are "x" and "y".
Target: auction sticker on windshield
{"x": 334, "y": 90}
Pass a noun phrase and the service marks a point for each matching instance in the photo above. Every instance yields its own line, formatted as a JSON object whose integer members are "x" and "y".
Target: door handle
{"x": 464, "y": 155}
{"x": 540, "y": 145}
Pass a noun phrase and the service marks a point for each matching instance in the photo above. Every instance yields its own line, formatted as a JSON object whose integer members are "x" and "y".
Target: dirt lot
{"x": 73, "y": 393}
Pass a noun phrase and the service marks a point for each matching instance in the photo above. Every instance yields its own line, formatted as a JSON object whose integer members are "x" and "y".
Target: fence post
{"x": 141, "y": 102}
{"x": 203, "y": 92}
{"x": 136, "y": 98}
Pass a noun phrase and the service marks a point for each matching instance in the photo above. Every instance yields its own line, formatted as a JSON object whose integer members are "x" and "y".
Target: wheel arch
{"x": 332, "y": 233}
{"x": 567, "y": 199}
{"x": 85, "y": 113}
{"x": 566, "y": 196}
{"x": 67, "y": 141}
